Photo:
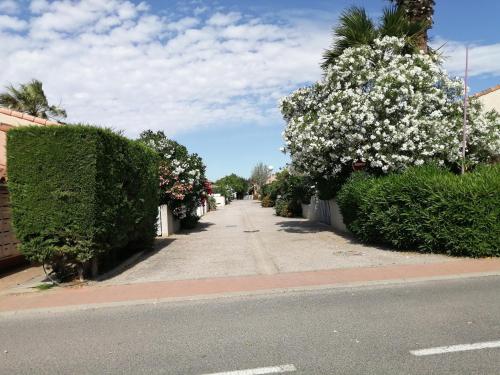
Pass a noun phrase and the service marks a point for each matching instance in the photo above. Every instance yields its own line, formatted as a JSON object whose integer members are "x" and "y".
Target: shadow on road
{"x": 159, "y": 245}
{"x": 302, "y": 226}
{"x": 200, "y": 227}
{"x": 306, "y": 226}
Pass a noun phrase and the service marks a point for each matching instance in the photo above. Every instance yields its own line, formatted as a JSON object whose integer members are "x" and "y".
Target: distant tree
{"x": 30, "y": 98}
{"x": 419, "y": 11}
{"x": 356, "y": 28}
{"x": 234, "y": 183}
{"x": 260, "y": 175}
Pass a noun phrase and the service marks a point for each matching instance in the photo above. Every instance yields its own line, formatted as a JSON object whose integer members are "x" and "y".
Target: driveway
{"x": 245, "y": 239}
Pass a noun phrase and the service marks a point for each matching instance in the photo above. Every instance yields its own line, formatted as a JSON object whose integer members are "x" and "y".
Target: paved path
{"x": 246, "y": 239}
{"x": 369, "y": 330}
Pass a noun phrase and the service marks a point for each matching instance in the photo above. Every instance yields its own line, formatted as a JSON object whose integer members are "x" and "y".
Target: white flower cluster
{"x": 388, "y": 109}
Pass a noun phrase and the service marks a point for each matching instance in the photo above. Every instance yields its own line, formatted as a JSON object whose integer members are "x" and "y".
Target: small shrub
{"x": 427, "y": 208}
{"x": 288, "y": 208}
{"x": 281, "y": 208}
{"x": 80, "y": 193}
{"x": 212, "y": 203}
{"x": 267, "y": 201}
{"x": 290, "y": 191}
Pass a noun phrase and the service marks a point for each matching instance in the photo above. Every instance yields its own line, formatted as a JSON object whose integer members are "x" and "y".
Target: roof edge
{"x": 25, "y": 116}
{"x": 487, "y": 91}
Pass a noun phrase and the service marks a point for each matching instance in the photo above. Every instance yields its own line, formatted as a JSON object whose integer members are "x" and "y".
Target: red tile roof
{"x": 25, "y": 116}
{"x": 487, "y": 91}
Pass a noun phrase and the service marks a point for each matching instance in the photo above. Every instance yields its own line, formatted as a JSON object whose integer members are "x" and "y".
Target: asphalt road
{"x": 364, "y": 330}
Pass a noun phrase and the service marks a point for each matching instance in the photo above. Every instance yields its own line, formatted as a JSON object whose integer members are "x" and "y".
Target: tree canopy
{"x": 260, "y": 174}
{"x": 232, "y": 182}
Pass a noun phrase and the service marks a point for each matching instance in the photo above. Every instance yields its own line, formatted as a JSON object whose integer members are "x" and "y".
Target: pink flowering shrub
{"x": 183, "y": 186}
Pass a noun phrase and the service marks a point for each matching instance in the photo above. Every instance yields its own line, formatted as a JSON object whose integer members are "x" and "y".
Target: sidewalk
{"x": 20, "y": 277}
{"x": 108, "y": 295}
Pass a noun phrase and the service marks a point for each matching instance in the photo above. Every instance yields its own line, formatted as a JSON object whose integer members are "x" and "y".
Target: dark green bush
{"x": 290, "y": 189}
{"x": 427, "y": 208}
{"x": 281, "y": 208}
{"x": 80, "y": 193}
{"x": 190, "y": 222}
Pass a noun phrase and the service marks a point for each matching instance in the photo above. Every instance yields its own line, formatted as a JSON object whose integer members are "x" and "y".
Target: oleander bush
{"x": 378, "y": 105}
{"x": 427, "y": 208}
{"x": 80, "y": 193}
{"x": 183, "y": 185}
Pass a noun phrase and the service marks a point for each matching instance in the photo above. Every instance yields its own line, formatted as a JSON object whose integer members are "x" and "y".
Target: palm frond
{"x": 395, "y": 22}
{"x": 30, "y": 98}
{"x": 355, "y": 28}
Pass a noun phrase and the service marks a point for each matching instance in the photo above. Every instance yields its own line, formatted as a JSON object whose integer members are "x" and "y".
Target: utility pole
{"x": 464, "y": 134}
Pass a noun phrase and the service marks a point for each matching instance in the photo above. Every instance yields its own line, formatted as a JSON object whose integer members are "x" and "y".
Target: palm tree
{"x": 418, "y": 11}
{"x": 30, "y": 98}
{"x": 357, "y": 28}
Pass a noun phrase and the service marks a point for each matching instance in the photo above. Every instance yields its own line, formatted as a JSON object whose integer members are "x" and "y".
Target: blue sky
{"x": 208, "y": 73}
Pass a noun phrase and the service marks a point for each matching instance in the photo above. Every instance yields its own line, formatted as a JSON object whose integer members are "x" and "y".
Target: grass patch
{"x": 45, "y": 286}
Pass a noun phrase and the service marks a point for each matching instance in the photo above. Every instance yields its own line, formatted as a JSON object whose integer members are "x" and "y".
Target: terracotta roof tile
{"x": 25, "y": 116}
{"x": 28, "y": 117}
{"x": 487, "y": 91}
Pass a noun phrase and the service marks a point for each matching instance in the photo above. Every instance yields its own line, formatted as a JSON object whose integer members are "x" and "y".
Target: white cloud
{"x": 39, "y": 6}
{"x": 483, "y": 59}
{"x": 114, "y": 63}
{"x": 9, "y": 6}
{"x": 224, "y": 19}
{"x": 12, "y": 23}
{"x": 183, "y": 24}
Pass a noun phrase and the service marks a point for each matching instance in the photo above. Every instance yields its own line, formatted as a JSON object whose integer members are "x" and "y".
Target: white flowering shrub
{"x": 387, "y": 109}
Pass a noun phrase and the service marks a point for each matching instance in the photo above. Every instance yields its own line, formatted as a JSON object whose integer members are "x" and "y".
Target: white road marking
{"x": 456, "y": 348}
{"x": 259, "y": 371}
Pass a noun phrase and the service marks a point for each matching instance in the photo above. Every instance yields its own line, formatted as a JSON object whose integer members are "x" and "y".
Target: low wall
{"x": 336, "y": 218}
{"x": 202, "y": 210}
{"x": 327, "y": 212}
{"x": 168, "y": 224}
{"x": 219, "y": 200}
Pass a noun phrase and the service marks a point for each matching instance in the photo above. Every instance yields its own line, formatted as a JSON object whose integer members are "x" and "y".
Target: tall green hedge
{"x": 80, "y": 192}
{"x": 427, "y": 208}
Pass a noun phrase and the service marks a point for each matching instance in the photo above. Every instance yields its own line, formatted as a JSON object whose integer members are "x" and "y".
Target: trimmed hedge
{"x": 427, "y": 208}
{"x": 80, "y": 193}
